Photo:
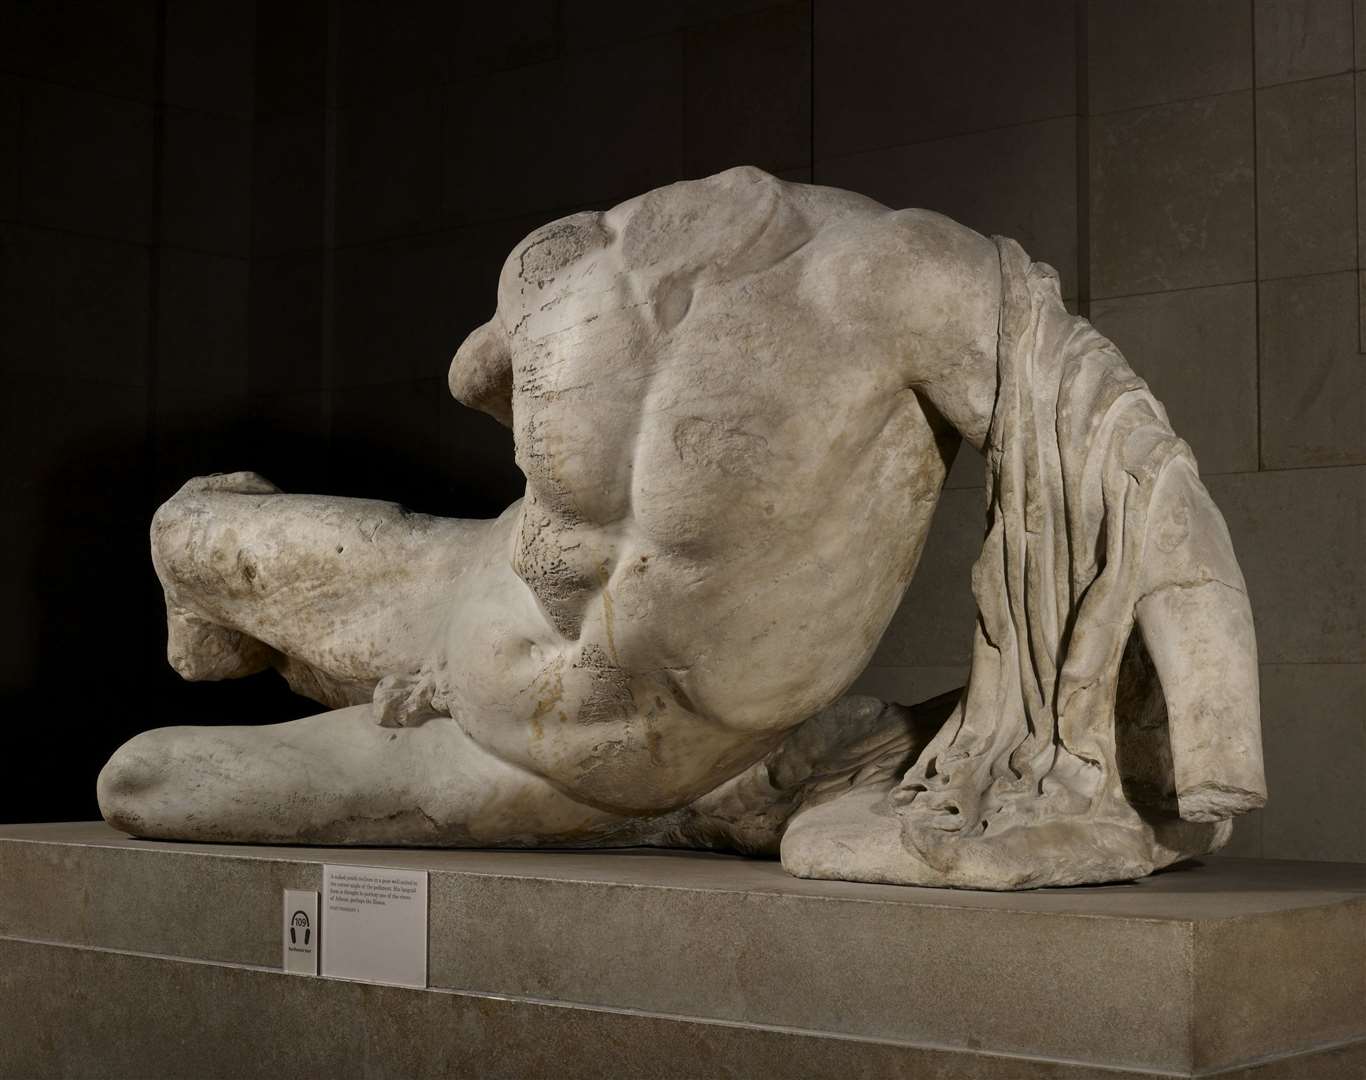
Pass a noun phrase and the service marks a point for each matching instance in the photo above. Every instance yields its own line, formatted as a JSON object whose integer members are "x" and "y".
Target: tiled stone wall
{"x": 125, "y": 160}
{"x": 390, "y": 187}
{"x": 1194, "y": 176}
{"x": 238, "y": 234}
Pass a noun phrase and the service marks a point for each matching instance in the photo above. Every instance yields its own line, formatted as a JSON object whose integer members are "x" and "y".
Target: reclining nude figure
{"x": 735, "y": 401}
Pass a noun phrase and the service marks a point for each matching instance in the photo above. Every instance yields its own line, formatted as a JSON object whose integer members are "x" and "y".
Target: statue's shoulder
{"x": 735, "y": 222}
{"x": 742, "y": 221}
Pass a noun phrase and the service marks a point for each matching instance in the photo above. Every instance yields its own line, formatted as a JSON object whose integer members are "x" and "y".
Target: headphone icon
{"x": 299, "y": 921}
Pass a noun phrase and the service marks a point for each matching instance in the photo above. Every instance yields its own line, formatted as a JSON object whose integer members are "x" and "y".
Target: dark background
{"x": 240, "y": 235}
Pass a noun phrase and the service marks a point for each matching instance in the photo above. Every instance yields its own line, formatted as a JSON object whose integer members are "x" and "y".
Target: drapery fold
{"x": 1076, "y": 449}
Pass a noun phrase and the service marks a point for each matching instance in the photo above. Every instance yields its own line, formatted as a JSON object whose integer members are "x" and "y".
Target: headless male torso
{"x": 722, "y": 510}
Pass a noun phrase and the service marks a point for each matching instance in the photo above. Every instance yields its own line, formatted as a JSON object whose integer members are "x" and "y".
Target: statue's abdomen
{"x": 743, "y": 513}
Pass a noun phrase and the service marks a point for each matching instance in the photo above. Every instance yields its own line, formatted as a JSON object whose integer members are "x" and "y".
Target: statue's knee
{"x": 200, "y": 560}
{"x": 233, "y": 483}
{"x": 197, "y": 533}
{"x": 169, "y": 781}
{"x": 177, "y": 532}
{"x": 128, "y": 779}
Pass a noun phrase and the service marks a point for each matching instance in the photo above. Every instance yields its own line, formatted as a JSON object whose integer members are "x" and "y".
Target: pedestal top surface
{"x": 1210, "y": 889}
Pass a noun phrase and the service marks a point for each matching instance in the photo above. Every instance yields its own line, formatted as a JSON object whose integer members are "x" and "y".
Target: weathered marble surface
{"x": 735, "y": 401}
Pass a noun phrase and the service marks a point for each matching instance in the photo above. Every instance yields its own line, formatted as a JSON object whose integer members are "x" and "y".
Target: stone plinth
{"x": 122, "y": 958}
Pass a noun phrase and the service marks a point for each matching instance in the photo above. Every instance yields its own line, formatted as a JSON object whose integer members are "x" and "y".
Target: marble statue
{"x": 735, "y": 401}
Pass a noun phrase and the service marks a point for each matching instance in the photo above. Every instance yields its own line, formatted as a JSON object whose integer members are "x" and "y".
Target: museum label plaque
{"x": 301, "y": 932}
{"x": 375, "y": 925}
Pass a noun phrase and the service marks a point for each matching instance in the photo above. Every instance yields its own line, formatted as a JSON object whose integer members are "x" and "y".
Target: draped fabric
{"x": 1056, "y": 764}
{"x": 1076, "y": 447}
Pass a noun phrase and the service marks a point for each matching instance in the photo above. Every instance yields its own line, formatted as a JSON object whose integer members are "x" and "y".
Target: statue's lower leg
{"x": 335, "y": 778}
{"x": 342, "y": 778}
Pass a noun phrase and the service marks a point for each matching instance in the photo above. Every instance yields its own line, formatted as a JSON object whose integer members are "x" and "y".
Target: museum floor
{"x": 122, "y": 958}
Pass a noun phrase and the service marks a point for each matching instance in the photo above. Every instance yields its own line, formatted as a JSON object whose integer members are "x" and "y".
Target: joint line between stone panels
{"x": 154, "y": 253}
{"x": 1267, "y": 1059}
{"x": 1225, "y": 284}
{"x": 19, "y": 143}
{"x": 38, "y": 80}
{"x": 444, "y": 104}
{"x": 1083, "y": 152}
{"x": 1300, "y": 277}
{"x": 1356, "y": 175}
{"x": 1356, "y": 135}
{"x": 327, "y": 330}
{"x": 251, "y": 411}
{"x": 1256, "y": 233}
{"x": 1202, "y": 97}
{"x": 684, "y": 166}
{"x": 66, "y": 230}
{"x": 561, "y": 210}
{"x": 1314, "y": 663}
{"x": 142, "y": 954}
{"x": 811, "y": 92}
{"x": 1187, "y": 288}
{"x": 1291, "y": 469}
{"x": 802, "y": 1032}
{"x": 614, "y": 1010}
{"x": 992, "y": 130}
